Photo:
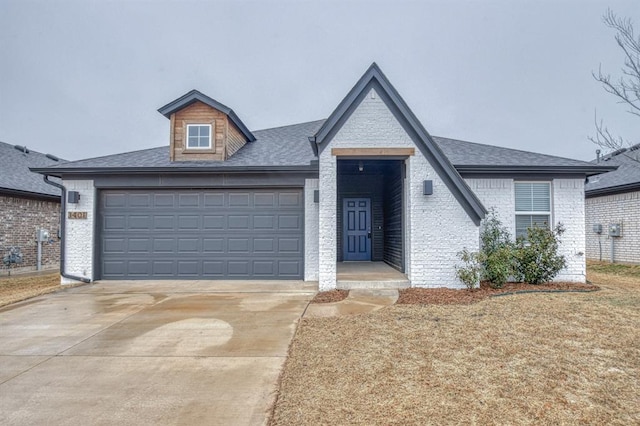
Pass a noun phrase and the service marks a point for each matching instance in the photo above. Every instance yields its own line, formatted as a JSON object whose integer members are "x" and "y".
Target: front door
{"x": 357, "y": 229}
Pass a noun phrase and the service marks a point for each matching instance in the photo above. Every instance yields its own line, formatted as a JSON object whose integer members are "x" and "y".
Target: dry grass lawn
{"x": 548, "y": 358}
{"x": 20, "y": 287}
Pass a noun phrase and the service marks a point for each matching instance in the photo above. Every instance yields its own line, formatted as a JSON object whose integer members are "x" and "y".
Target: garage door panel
{"x": 213, "y": 245}
{"x": 163, "y": 245}
{"x": 189, "y": 200}
{"x": 163, "y": 200}
{"x": 238, "y": 268}
{"x": 214, "y": 200}
{"x": 238, "y": 234}
{"x": 289, "y": 199}
{"x": 289, "y": 222}
{"x": 163, "y": 268}
{"x": 188, "y": 222}
{"x": 289, "y": 268}
{"x": 164, "y": 222}
{"x": 114, "y": 222}
{"x": 114, "y": 200}
{"x": 140, "y": 200}
{"x": 213, "y": 222}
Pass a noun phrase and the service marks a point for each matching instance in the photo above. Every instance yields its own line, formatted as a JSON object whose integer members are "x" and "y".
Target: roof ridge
{"x": 291, "y": 125}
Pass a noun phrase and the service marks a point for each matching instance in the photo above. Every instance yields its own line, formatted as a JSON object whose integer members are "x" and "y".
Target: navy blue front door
{"x": 357, "y": 229}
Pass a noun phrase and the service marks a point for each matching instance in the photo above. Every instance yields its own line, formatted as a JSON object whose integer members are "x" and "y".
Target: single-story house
{"x": 612, "y": 208}
{"x": 368, "y": 184}
{"x": 27, "y": 204}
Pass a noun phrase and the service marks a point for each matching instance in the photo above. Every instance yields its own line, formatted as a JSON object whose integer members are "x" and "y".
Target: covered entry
{"x": 201, "y": 233}
{"x": 370, "y": 211}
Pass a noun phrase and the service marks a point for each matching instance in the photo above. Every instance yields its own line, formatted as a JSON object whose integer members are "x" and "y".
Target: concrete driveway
{"x": 163, "y": 352}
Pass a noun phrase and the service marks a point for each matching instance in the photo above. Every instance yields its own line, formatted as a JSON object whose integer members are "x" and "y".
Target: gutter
{"x": 593, "y": 170}
{"x": 611, "y": 190}
{"x": 58, "y": 171}
{"x": 63, "y": 208}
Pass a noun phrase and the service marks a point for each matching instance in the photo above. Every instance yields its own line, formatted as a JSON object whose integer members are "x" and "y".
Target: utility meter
{"x": 615, "y": 230}
{"x": 42, "y": 235}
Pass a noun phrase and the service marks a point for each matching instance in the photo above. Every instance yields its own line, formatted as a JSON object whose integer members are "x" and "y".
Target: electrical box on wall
{"x": 597, "y": 228}
{"x": 42, "y": 235}
{"x": 615, "y": 230}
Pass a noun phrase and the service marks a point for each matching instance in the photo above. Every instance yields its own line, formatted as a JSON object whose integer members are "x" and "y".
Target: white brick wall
{"x": 437, "y": 225}
{"x": 568, "y": 209}
{"x": 500, "y": 194}
{"x": 611, "y": 209}
{"x": 311, "y": 223}
{"x": 79, "y": 235}
{"x": 567, "y": 206}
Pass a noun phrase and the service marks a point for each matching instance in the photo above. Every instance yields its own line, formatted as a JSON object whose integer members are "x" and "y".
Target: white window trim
{"x": 533, "y": 212}
{"x": 186, "y": 137}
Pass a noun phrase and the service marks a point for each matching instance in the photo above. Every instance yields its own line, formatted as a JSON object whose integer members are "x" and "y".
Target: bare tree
{"x": 627, "y": 87}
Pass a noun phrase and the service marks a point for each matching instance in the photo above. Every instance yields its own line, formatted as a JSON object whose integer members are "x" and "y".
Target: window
{"x": 533, "y": 206}
{"x": 198, "y": 136}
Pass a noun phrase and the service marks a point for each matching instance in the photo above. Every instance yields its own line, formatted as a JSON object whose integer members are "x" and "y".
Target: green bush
{"x": 497, "y": 251}
{"x": 537, "y": 258}
{"x": 471, "y": 271}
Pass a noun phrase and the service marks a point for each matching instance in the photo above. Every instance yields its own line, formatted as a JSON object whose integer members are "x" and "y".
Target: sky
{"x": 81, "y": 79}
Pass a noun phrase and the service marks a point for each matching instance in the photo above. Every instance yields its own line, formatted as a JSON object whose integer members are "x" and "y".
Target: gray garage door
{"x": 209, "y": 234}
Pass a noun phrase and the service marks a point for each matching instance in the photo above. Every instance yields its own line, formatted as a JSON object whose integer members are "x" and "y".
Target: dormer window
{"x": 199, "y": 136}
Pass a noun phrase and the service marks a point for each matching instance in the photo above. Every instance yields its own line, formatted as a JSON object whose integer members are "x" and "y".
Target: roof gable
{"x": 194, "y": 96}
{"x": 373, "y": 78}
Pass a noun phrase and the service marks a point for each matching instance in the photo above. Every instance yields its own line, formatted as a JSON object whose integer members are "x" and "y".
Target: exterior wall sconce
{"x": 316, "y": 196}
{"x": 360, "y": 167}
{"x": 73, "y": 197}
{"x": 427, "y": 187}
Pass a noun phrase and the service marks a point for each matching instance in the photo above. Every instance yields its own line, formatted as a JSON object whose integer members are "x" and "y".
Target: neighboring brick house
{"x": 613, "y": 199}
{"x": 368, "y": 184}
{"x": 27, "y": 204}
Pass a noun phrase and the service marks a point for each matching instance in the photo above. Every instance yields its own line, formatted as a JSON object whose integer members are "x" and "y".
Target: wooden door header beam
{"x": 373, "y": 152}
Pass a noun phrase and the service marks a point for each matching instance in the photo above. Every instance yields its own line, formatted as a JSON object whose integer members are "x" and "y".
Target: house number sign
{"x": 77, "y": 215}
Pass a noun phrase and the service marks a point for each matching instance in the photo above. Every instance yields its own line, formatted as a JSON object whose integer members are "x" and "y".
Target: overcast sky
{"x": 82, "y": 79}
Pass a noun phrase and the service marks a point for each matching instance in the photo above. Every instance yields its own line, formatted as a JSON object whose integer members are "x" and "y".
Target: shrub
{"x": 471, "y": 271}
{"x": 497, "y": 251}
{"x": 537, "y": 258}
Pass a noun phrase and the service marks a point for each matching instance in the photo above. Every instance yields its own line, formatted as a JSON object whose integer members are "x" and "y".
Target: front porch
{"x": 370, "y": 275}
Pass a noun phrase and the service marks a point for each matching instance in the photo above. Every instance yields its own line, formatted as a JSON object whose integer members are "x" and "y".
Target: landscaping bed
{"x": 330, "y": 296}
{"x": 448, "y": 296}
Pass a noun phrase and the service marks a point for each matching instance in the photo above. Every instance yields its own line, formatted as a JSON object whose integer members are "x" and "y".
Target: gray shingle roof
{"x": 289, "y": 146}
{"x": 280, "y": 146}
{"x": 462, "y": 153}
{"x": 626, "y": 177}
{"x": 15, "y": 175}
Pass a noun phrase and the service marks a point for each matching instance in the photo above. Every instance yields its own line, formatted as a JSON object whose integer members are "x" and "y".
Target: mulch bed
{"x": 447, "y": 296}
{"x": 331, "y": 296}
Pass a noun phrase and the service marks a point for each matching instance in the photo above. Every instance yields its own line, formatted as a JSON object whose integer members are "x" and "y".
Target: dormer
{"x": 203, "y": 129}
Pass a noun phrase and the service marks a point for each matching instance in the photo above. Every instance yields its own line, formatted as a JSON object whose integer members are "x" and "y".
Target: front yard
{"x": 20, "y": 287}
{"x": 548, "y": 358}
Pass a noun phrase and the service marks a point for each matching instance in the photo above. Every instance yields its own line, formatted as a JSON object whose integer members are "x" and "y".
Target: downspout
{"x": 63, "y": 214}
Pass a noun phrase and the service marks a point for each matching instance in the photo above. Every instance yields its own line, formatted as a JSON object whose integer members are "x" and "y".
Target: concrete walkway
{"x": 359, "y": 301}
{"x": 148, "y": 353}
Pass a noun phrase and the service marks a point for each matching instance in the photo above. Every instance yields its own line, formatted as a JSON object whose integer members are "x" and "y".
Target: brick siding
{"x": 613, "y": 209}
{"x": 21, "y": 217}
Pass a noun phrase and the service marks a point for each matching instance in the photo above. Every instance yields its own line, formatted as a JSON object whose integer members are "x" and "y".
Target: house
{"x": 368, "y": 184}
{"x": 27, "y": 204}
{"x": 612, "y": 208}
